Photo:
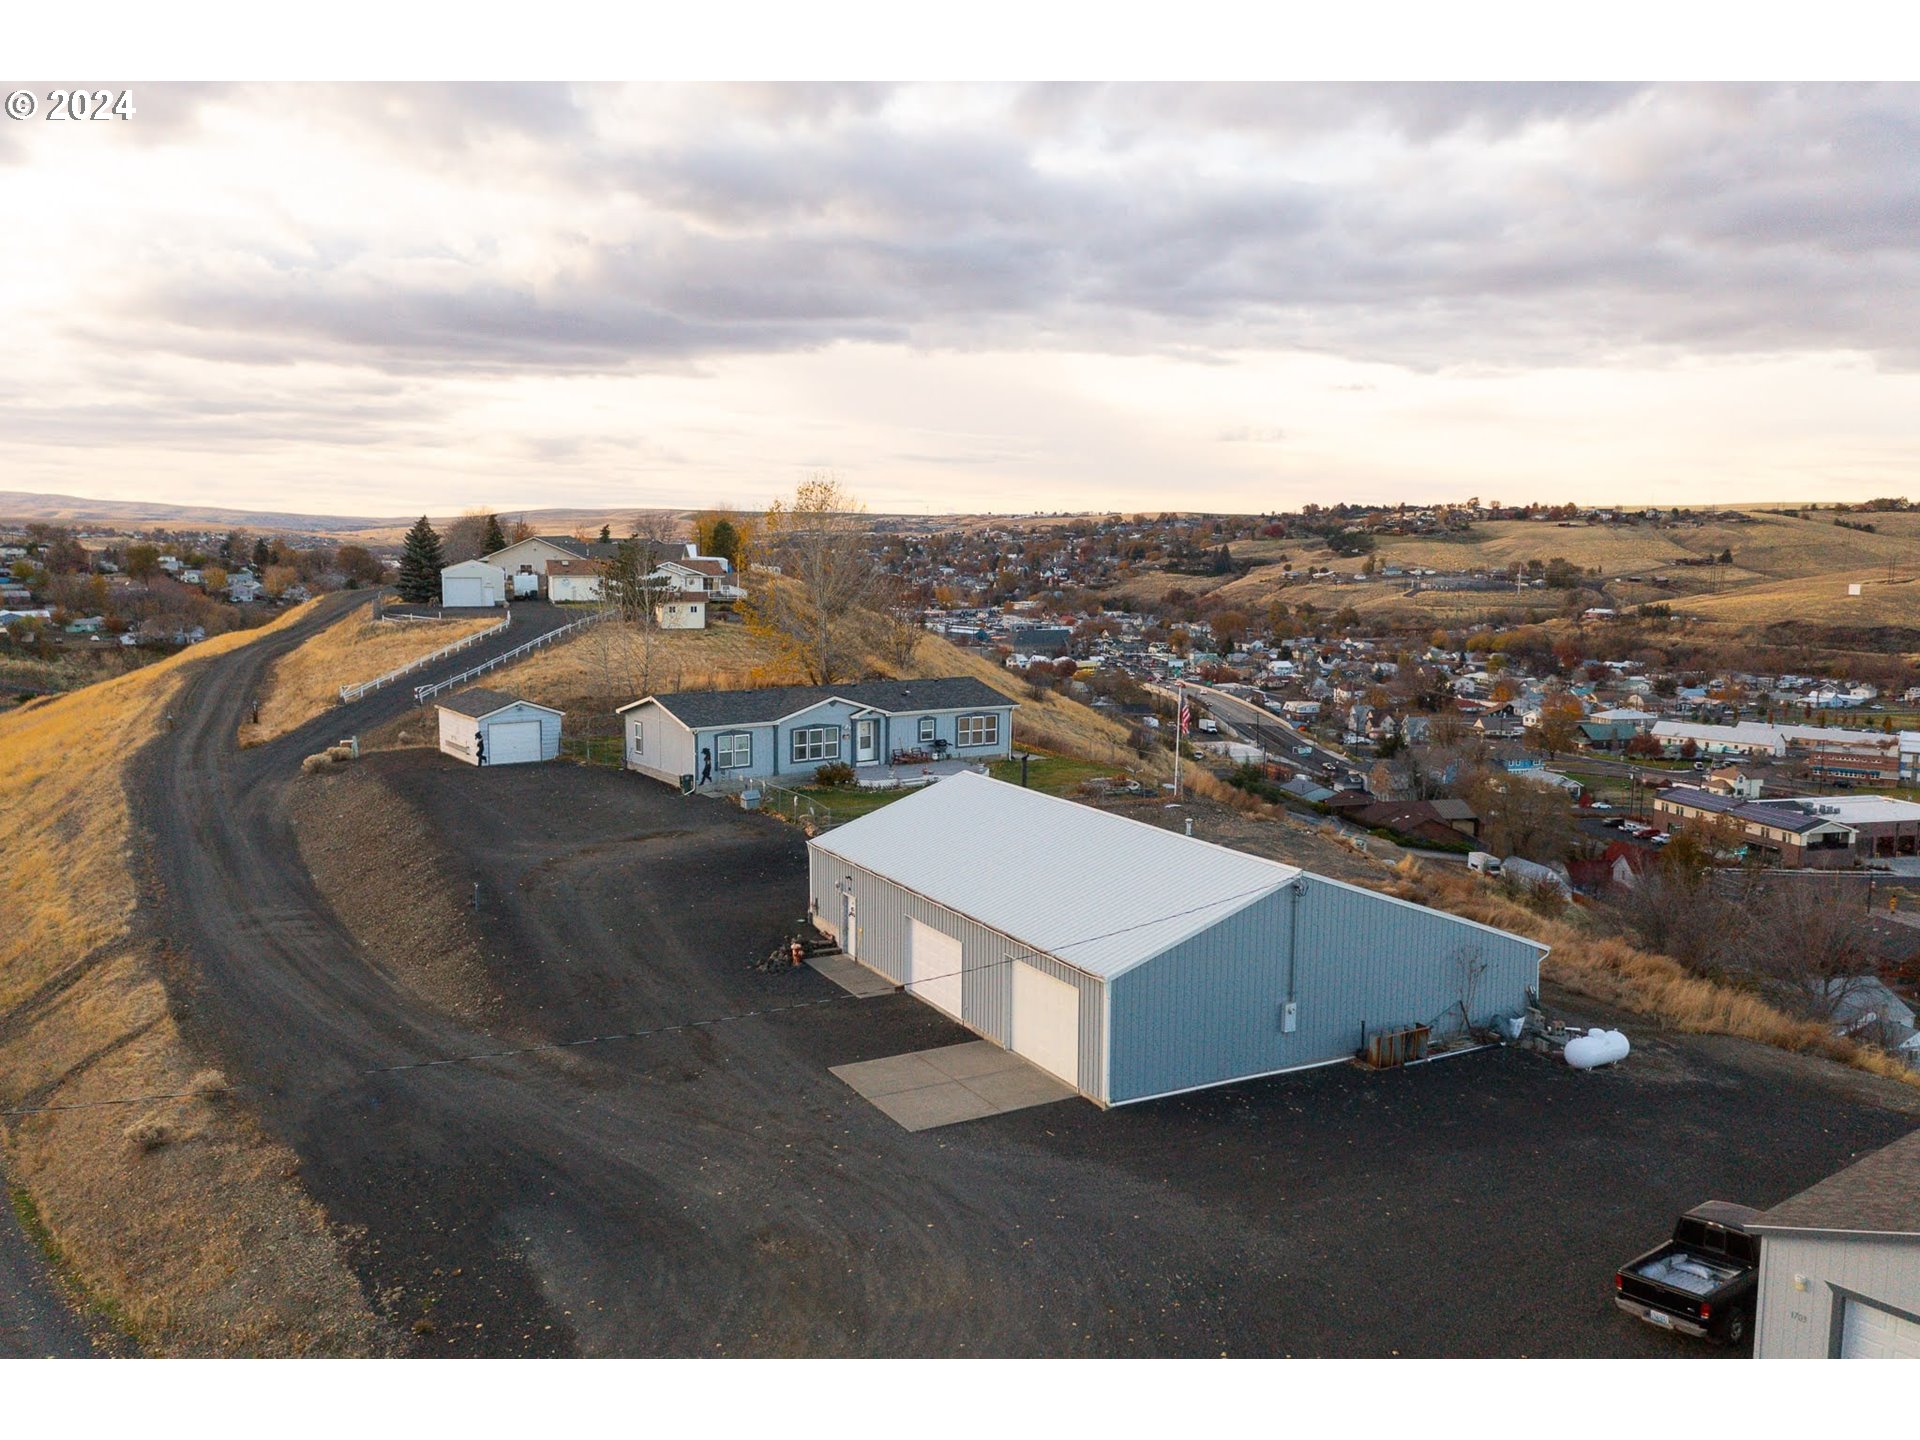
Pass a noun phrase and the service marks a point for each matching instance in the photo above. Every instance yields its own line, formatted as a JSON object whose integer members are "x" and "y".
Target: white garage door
{"x": 464, "y": 590}
{"x": 1046, "y": 1022}
{"x": 513, "y": 742}
{"x": 933, "y": 967}
{"x": 1869, "y": 1333}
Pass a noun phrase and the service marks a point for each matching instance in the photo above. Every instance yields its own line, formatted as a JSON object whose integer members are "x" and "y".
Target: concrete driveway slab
{"x": 851, "y": 976}
{"x": 944, "y": 1086}
{"x": 972, "y": 1058}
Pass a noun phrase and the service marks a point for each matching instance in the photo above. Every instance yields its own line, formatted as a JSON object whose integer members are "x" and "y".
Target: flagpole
{"x": 1179, "y": 719}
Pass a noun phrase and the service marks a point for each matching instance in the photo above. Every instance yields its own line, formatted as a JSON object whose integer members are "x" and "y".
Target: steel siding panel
{"x": 1805, "y": 1324}
{"x": 883, "y": 909}
{"x": 1208, "y": 1010}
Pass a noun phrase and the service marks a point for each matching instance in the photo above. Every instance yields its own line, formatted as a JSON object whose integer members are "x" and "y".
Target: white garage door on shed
{"x": 1869, "y": 1333}
{"x": 933, "y": 967}
{"x": 1046, "y": 1022}
{"x": 513, "y": 742}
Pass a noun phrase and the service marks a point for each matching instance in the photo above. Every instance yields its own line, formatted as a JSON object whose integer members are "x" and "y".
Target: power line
{"x": 652, "y": 1032}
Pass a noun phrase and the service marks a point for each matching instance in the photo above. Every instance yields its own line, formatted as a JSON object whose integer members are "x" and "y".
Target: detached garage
{"x": 485, "y": 727}
{"x": 1840, "y": 1264}
{"x": 472, "y": 584}
{"x": 1133, "y": 962}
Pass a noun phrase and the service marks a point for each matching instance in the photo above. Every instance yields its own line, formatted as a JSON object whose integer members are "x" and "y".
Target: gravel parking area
{"x": 693, "y": 1179}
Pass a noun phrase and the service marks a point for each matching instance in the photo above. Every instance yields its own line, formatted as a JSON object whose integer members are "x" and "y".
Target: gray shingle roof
{"x": 1877, "y": 1194}
{"x": 482, "y": 702}
{"x": 702, "y": 709}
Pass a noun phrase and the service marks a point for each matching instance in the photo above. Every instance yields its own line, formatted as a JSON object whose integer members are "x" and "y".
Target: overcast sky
{"x": 381, "y": 299}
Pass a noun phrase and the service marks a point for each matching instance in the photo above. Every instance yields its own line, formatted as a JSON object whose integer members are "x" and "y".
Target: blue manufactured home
{"x": 724, "y": 738}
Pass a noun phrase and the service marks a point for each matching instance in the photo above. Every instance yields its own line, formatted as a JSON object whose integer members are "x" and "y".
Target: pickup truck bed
{"x": 1702, "y": 1281}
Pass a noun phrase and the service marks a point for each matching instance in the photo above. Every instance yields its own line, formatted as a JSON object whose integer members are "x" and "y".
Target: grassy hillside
{"x": 165, "y": 1212}
{"x": 307, "y": 679}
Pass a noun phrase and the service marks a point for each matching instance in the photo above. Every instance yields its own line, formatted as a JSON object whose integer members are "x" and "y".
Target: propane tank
{"x": 1597, "y": 1047}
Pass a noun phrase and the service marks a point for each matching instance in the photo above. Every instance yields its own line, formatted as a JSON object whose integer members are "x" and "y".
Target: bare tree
{"x": 819, "y": 541}
{"x": 1811, "y": 939}
{"x": 900, "y": 628}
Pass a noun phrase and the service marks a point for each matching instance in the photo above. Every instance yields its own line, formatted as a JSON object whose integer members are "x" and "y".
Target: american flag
{"x": 1186, "y": 713}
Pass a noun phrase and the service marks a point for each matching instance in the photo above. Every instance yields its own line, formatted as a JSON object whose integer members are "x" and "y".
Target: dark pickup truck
{"x": 1702, "y": 1281}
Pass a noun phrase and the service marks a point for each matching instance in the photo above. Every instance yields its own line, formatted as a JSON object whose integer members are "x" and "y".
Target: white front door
{"x": 849, "y": 932}
{"x": 866, "y": 741}
{"x": 933, "y": 967}
{"x": 1046, "y": 1022}
{"x": 1869, "y": 1333}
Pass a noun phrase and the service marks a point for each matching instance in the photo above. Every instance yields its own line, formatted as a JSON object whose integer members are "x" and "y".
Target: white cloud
{"x": 989, "y": 296}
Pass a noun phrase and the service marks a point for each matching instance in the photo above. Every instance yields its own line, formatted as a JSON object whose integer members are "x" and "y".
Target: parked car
{"x": 1702, "y": 1281}
{"x": 1599, "y": 805}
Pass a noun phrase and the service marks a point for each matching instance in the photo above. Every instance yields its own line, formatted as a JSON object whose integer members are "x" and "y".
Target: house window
{"x": 734, "y": 751}
{"x": 979, "y": 730}
{"x": 926, "y": 729}
{"x": 816, "y": 743}
{"x": 639, "y": 733}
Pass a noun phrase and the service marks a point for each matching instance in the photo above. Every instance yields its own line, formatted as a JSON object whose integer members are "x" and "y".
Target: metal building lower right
{"x": 1133, "y": 962}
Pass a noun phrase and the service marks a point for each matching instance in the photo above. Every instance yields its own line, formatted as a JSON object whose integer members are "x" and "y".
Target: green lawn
{"x": 1052, "y": 774}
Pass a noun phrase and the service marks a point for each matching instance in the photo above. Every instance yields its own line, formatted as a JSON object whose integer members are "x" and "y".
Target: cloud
{"x": 1422, "y": 226}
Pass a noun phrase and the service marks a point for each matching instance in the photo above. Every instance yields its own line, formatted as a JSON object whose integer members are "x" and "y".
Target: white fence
{"x": 350, "y": 693}
{"x": 424, "y": 693}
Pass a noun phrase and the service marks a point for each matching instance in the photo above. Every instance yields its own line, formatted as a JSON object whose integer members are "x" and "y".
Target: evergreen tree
{"x": 496, "y": 538}
{"x": 723, "y": 543}
{"x": 420, "y": 564}
{"x": 262, "y": 554}
{"x": 606, "y": 534}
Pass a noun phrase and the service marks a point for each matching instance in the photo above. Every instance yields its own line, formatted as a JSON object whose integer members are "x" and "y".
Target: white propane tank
{"x": 1597, "y": 1047}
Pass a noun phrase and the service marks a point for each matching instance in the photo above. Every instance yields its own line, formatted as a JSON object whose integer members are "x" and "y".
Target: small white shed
{"x": 472, "y": 584}
{"x": 487, "y": 727}
{"x": 686, "y": 610}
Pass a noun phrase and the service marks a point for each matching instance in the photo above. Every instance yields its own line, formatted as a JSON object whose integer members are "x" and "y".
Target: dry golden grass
{"x": 200, "y": 1245}
{"x": 612, "y": 663}
{"x": 1821, "y": 600}
{"x": 1617, "y": 973}
{"x": 307, "y": 680}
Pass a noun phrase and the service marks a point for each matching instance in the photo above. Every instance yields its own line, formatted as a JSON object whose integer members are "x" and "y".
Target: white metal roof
{"x": 1097, "y": 890}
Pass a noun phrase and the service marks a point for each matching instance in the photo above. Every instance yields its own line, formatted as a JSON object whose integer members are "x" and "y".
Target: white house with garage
{"x": 527, "y": 561}
{"x": 1132, "y": 962}
{"x": 472, "y": 584}
{"x": 1840, "y": 1264}
{"x": 487, "y": 727}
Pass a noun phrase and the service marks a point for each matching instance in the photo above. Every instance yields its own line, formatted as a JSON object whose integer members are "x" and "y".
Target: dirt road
{"x": 713, "y": 1190}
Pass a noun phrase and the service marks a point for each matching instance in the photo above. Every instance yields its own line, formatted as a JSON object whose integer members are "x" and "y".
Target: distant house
{"x": 681, "y": 611}
{"x": 527, "y": 561}
{"x": 725, "y": 737}
{"x": 699, "y": 574}
{"x": 575, "y": 582}
{"x": 243, "y": 588}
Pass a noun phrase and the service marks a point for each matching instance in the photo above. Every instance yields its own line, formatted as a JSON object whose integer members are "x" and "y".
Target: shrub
{"x": 152, "y": 1131}
{"x": 837, "y": 772}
